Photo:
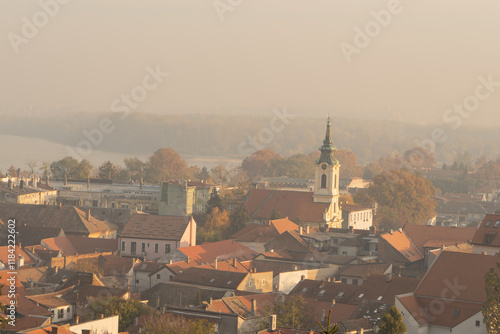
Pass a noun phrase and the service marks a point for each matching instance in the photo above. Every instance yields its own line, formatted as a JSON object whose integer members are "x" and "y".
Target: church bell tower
{"x": 326, "y": 185}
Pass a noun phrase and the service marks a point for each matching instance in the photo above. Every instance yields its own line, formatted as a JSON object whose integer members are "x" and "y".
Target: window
{"x": 229, "y": 282}
{"x": 340, "y": 294}
{"x": 323, "y": 181}
{"x": 303, "y": 290}
{"x": 344, "y": 280}
{"x": 321, "y": 293}
{"x": 380, "y": 298}
{"x": 143, "y": 249}
{"x": 123, "y": 245}
{"x": 136, "y": 281}
{"x": 156, "y": 248}
{"x": 250, "y": 283}
{"x": 361, "y": 295}
{"x": 133, "y": 247}
{"x": 158, "y": 276}
{"x": 488, "y": 223}
{"x": 263, "y": 282}
{"x": 478, "y": 323}
{"x": 212, "y": 280}
{"x": 60, "y": 313}
{"x": 355, "y": 281}
{"x": 167, "y": 248}
{"x": 344, "y": 253}
{"x": 68, "y": 310}
{"x": 496, "y": 224}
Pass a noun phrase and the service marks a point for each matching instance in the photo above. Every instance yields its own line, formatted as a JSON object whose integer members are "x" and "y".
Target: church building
{"x": 318, "y": 208}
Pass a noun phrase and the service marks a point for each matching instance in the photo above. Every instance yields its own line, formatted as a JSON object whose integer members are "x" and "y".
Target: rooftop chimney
{"x": 10, "y": 184}
{"x": 142, "y": 183}
{"x": 323, "y": 315}
{"x": 300, "y": 230}
{"x": 65, "y": 179}
{"x": 272, "y": 322}
{"x": 389, "y": 277}
{"x": 47, "y": 178}
{"x": 391, "y": 231}
{"x": 234, "y": 262}
{"x": 307, "y": 229}
{"x": 302, "y": 277}
{"x": 333, "y": 302}
{"x": 215, "y": 263}
{"x": 254, "y": 307}
{"x": 21, "y": 184}
{"x": 400, "y": 230}
{"x": 88, "y": 182}
{"x": 88, "y": 214}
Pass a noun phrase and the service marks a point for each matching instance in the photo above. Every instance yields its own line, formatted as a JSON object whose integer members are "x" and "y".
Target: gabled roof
{"x": 156, "y": 227}
{"x": 289, "y": 240}
{"x": 19, "y": 251}
{"x": 71, "y": 219}
{"x": 354, "y": 208}
{"x": 465, "y": 272}
{"x": 242, "y": 305}
{"x": 400, "y": 241}
{"x": 115, "y": 264}
{"x": 488, "y": 232}
{"x": 434, "y": 235}
{"x": 378, "y": 288}
{"x": 325, "y": 291}
{"x": 452, "y": 313}
{"x": 255, "y": 233}
{"x": 364, "y": 270}
{"x": 283, "y": 225}
{"x": 226, "y": 249}
{"x": 149, "y": 267}
{"x": 73, "y": 245}
{"x": 211, "y": 278}
{"x": 262, "y": 203}
{"x": 170, "y": 294}
{"x": 51, "y": 300}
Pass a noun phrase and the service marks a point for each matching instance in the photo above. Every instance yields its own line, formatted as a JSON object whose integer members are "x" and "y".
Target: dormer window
{"x": 496, "y": 224}
{"x": 488, "y": 223}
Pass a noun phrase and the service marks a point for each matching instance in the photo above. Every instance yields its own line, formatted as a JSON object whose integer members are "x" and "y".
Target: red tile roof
{"x": 363, "y": 270}
{"x": 422, "y": 234}
{"x": 72, "y": 245}
{"x": 376, "y": 286}
{"x": 403, "y": 244}
{"x": 156, "y": 227}
{"x": 487, "y": 234}
{"x": 28, "y": 260}
{"x": 463, "y": 271}
{"x": 283, "y": 225}
{"x": 324, "y": 291}
{"x": 226, "y": 249}
{"x": 262, "y": 203}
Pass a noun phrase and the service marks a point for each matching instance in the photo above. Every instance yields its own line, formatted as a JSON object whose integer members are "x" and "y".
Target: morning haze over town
{"x": 249, "y": 167}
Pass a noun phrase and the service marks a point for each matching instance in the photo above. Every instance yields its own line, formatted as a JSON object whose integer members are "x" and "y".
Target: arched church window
{"x": 323, "y": 181}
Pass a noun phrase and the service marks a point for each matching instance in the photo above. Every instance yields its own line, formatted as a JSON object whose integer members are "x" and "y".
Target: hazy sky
{"x": 264, "y": 53}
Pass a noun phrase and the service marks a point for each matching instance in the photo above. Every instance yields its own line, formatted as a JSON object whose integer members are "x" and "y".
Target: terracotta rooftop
{"x": 445, "y": 271}
{"x": 402, "y": 243}
{"x": 156, "y": 227}
{"x": 487, "y": 234}
{"x": 51, "y": 300}
{"x": 69, "y": 218}
{"x": 422, "y": 234}
{"x": 226, "y": 249}
{"x": 289, "y": 240}
{"x": 28, "y": 260}
{"x": 363, "y": 270}
{"x": 325, "y": 291}
{"x": 149, "y": 266}
{"x": 262, "y": 203}
{"x": 73, "y": 245}
{"x": 379, "y": 288}
{"x": 211, "y": 277}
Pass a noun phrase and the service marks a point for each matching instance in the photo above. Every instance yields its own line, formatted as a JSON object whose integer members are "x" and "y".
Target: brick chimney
{"x": 215, "y": 263}
{"x": 300, "y": 230}
{"x": 307, "y": 229}
{"x": 272, "y": 322}
{"x": 254, "y": 307}
{"x": 88, "y": 214}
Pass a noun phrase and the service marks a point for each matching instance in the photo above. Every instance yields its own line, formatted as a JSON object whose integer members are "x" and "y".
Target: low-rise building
{"x": 153, "y": 236}
{"x": 486, "y": 240}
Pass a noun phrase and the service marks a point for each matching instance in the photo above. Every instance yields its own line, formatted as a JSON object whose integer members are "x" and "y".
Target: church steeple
{"x": 327, "y": 149}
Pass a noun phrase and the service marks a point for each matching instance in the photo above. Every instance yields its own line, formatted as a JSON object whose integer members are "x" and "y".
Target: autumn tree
{"x": 135, "y": 168}
{"x": 407, "y": 193}
{"x": 392, "y": 322}
{"x": 71, "y": 167}
{"x": 128, "y": 310}
{"x": 219, "y": 174}
{"x": 166, "y": 164}
{"x": 175, "y": 324}
{"x": 349, "y": 162}
{"x": 203, "y": 175}
{"x": 218, "y": 220}
{"x": 290, "y": 313}
{"x": 258, "y": 163}
{"x": 419, "y": 158}
{"x": 491, "y": 308}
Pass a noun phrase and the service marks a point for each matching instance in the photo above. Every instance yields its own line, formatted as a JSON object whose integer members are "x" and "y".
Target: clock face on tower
{"x": 323, "y": 166}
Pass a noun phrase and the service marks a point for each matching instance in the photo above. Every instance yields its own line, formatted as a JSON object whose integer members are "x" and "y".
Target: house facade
{"x": 153, "y": 236}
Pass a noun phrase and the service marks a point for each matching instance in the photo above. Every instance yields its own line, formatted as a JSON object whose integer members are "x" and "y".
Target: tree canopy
{"x": 392, "y": 322}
